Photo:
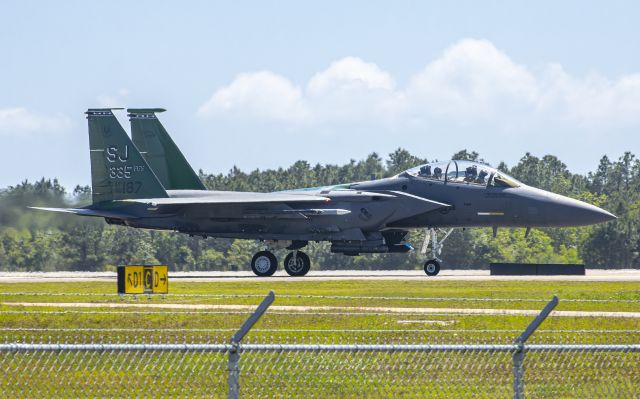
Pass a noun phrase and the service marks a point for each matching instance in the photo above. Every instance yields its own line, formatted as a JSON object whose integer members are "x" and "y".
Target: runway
{"x": 630, "y": 275}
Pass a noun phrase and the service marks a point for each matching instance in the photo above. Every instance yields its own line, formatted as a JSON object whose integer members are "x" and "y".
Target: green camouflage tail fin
{"x": 118, "y": 171}
{"x": 159, "y": 150}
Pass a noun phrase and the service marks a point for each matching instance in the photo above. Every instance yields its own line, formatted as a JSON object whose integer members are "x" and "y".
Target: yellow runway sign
{"x": 143, "y": 279}
{"x": 160, "y": 280}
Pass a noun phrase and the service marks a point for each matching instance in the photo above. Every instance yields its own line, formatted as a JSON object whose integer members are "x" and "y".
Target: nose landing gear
{"x": 432, "y": 266}
{"x": 297, "y": 264}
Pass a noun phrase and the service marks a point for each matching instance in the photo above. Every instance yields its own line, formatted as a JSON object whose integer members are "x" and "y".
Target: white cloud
{"x": 349, "y": 74}
{"x": 471, "y": 79}
{"x": 18, "y": 121}
{"x": 260, "y": 94}
{"x": 350, "y": 89}
{"x": 470, "y": 82}
{"x": 592, "y": 101}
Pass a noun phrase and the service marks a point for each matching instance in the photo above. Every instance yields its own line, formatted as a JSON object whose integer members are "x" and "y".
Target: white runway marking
{"x": 300, "y": 296}
{"x": 303, "y": 309}
{"x": 431, "y": 322}
{"x": 321, "y": 275}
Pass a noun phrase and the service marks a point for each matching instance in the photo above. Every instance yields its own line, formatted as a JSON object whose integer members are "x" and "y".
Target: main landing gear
{"x": 296, "y": 263}
{"x": 264, "y": 264}
{"x": 432, "y": 266}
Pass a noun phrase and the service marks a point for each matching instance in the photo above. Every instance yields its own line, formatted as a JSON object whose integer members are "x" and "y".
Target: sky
{"x": 263, "y": 84}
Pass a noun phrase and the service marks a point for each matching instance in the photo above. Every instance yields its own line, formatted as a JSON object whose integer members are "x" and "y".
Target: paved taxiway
{"x": 461, "y": 275}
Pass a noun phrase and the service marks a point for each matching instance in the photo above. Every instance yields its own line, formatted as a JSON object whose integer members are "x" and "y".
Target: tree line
{"x": 40, "y": 241}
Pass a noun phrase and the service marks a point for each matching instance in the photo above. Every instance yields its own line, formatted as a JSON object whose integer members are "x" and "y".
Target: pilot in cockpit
{"x": 471, "y": 173}
{"x": 481, "y": 177}
{"x": 437, "y": 173}
{"x": 425, "y": 171}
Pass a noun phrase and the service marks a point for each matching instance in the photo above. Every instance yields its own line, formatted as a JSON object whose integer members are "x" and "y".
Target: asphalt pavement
{"x": 320, "y": 275}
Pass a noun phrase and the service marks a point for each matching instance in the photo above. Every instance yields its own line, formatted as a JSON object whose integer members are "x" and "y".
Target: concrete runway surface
{"x": 319, "y": 275}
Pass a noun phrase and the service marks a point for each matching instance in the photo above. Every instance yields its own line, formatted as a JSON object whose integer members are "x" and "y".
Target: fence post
{"x": 234, "y": 372}
{"x": 518, "y": 356}
{"x": 234, "y": 353}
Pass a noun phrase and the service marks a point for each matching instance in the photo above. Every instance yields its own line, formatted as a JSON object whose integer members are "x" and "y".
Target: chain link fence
{"x": 310, "y": 370}
{"x": 554, "y": 367}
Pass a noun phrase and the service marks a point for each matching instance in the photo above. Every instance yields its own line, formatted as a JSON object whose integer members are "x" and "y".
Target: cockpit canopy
{"x": 465, "y": 172}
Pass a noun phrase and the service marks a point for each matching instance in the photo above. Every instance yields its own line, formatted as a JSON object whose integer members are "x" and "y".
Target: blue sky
{"x": 261, "y": 85}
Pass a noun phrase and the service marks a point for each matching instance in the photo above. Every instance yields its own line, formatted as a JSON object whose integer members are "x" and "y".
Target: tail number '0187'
{"x": 129, "y": 187}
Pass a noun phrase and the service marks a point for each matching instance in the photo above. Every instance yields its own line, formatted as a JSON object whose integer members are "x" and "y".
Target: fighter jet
{"x": 149, "y": 184}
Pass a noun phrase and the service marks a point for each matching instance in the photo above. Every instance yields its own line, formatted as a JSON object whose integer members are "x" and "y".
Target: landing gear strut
{"x": 432, "y": 266}
{"x": 297, "y": 264}
{"x": 264, "y": 264}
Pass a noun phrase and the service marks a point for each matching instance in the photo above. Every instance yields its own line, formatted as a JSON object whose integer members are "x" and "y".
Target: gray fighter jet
{"x": 150, "y": 185}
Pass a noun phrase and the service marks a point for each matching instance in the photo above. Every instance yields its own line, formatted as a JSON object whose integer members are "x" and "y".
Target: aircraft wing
{"x": 230, "y": 197}
{"x": 279, "y": 205}
{"x": 402, "y": 204}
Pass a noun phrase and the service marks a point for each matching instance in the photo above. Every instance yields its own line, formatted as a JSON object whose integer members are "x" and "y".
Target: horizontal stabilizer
{"x": 87, "y": 212}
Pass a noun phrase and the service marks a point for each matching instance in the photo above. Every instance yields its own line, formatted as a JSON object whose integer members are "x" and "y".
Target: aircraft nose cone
{"x": 597, "y": 215}
{"x": 582, "y": 213}
{"x": 560, "y": 211}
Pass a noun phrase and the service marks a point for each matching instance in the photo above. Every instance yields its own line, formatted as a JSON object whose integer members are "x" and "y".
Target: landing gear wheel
{"x": 432, "y": 267}
{"x": 297, "y": 266}
{"x": 264, "y": 264}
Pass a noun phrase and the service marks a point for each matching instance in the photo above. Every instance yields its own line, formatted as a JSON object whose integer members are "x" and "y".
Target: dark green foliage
{"x": 33, "y": 240}
{"x": 465, "y": 155}
{"x": 401, "y": 160}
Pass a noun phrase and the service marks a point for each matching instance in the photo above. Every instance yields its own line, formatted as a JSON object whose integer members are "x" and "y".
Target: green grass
{"x": 304, "y": 374}
{"x": 381, "y": 293}
{"x": 541, "y": 290}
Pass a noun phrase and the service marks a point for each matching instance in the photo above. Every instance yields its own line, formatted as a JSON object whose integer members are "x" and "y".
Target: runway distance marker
{"x": 143, "y": 279}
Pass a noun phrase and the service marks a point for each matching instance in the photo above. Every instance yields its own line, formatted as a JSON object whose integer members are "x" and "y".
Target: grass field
{"x": 340, "y": 309}
{"x": 345, "y": 312}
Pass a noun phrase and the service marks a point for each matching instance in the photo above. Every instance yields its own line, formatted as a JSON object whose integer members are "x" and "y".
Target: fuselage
{"x": 359, "y": 211}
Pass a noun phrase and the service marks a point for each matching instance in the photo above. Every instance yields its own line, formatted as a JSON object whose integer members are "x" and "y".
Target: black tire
{"x": 264, "y": 264}
{"x": 298, "y": 268}
{"x": 432, "y": 267}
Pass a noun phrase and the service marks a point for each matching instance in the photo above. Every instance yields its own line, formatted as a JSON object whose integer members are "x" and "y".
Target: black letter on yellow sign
{"x": 148, "y": 283}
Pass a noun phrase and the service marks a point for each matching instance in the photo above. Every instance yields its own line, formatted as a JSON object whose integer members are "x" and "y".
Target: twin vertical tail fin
{"x": 160, "y": 152}
{"x": 118, "y": 170}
